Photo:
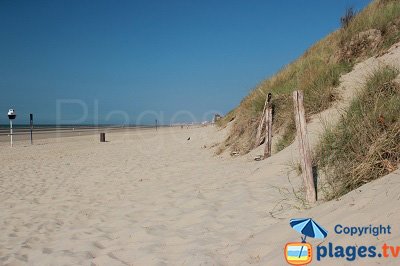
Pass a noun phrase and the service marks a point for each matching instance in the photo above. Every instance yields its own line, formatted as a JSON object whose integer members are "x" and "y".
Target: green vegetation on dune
{"x": 365, "y": 144}
{"x": 317, "y": 73}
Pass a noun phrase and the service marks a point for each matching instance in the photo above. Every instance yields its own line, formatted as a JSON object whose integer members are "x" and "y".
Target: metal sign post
{"x": 11, "y": 132}
{"x": 11, "y": 115}
{"x": 31, "y": 123}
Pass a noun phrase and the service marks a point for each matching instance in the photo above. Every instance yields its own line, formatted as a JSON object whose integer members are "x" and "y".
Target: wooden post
{"x": 102, "y": 137}
{"x": 268, "y": 132}
{"x": 259, "y": 129}
{"x": 304, "y": 147}
{"x": 261, "y": 124}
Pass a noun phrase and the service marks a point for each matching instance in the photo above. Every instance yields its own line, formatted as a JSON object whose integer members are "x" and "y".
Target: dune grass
{"x": 365, "y": 144}
{"x": 316, "y": 72}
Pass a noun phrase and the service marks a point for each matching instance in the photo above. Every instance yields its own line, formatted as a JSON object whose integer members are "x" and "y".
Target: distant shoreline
{"x": 22, "y": 132}
{"x": 51, "y": 131}
{"x": 21, "y": 129}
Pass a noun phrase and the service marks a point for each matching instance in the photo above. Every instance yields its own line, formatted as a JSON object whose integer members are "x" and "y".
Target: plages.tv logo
{"x": 300, "y": 253}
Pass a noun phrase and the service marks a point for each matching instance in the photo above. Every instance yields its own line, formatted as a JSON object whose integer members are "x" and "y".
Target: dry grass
{"x": 365, "y": 144}
{"x": 317, "y": 73}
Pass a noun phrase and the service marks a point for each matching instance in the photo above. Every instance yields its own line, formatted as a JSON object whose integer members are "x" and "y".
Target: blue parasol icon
{"x": 308, "y": 227}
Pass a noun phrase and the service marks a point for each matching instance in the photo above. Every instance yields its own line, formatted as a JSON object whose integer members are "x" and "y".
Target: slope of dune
{"x": 376, "y": 203}
{"x": 317, "y": 72}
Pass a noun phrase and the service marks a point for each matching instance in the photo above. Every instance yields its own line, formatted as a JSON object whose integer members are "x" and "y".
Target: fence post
{"x": 268, "y": 132}
{"x": 261, "y": 125}
{"x": 304, "y": 148}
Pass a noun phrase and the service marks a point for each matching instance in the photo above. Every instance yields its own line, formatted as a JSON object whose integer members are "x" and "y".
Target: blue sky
{"x": 135, "y": 60}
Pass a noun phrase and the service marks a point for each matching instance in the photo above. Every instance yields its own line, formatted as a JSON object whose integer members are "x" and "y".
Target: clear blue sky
{"x": 161, "y": 56}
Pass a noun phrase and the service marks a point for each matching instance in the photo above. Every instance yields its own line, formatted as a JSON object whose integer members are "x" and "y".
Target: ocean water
{"x": 19, "y": 129}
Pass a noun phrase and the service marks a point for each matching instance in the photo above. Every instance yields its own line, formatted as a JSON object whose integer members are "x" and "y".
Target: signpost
{"x": 11, "y": 116}
{"x": 31, "y": 124}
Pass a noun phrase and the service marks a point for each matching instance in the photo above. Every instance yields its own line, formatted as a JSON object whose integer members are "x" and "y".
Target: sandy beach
{"x": 143, "y": 198}
{"x": 155, "y": 198}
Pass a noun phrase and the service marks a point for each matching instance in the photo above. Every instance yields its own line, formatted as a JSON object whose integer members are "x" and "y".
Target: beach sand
{"x": 142, "y": 198}
{"x": 155, "y": 198}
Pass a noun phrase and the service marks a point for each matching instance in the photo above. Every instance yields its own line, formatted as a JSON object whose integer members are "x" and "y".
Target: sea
{"x": 50, "y": 130}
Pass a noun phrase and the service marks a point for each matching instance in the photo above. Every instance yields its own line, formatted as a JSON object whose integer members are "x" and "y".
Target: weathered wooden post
{"x": 262, "y": 122}
{"x": 304, "y": 148}
{"x": 268, "y": 132}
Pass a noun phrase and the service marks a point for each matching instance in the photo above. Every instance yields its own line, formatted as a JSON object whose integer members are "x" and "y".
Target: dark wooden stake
{"x": 304, "y": 148}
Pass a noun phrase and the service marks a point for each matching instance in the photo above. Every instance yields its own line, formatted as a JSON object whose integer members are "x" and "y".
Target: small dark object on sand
{"x": 188, "y": 138}
{"x": 258, "y": 158}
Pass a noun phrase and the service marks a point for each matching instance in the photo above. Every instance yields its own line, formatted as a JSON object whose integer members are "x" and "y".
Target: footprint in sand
{"x": 47, "y": 251}
{"x": 98, "y": 245}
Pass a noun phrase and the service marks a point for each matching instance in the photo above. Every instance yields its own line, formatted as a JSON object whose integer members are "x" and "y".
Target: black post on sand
{"x": 102, "y": 137}
{"x": 156, "y": 124}
{"x": 31, "y": 123}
